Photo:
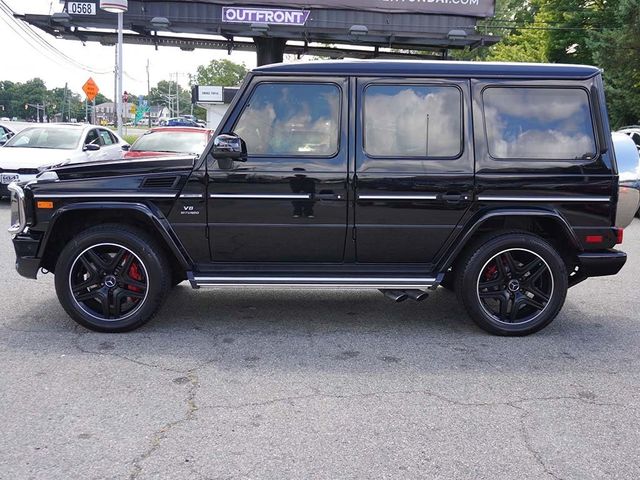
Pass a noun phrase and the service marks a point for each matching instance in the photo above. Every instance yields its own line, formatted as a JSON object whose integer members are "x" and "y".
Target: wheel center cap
{"x": 110, "y": 281}
{"x": 514, "y": 285}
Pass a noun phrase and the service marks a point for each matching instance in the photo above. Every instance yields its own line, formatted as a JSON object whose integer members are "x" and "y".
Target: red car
{"x": 163, "y": 141}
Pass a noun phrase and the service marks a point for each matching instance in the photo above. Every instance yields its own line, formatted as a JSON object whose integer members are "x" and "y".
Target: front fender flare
{"x": 155, "y": 217}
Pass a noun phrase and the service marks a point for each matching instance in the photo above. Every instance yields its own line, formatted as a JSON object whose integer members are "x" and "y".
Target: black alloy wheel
{"x": 112, "y": 278}
{"x": 515, "y": 286}
{"x": 109, "y": 282}
{"x": 512, "y": 284}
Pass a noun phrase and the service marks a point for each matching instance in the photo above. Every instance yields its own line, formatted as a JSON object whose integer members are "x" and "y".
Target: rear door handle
{"x": 327, "y": 196}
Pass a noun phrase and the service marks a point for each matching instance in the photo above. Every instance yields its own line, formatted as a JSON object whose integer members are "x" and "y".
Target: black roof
{"x": 431, "y": 68}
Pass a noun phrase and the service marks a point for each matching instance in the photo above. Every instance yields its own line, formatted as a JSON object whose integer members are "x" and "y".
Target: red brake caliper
{"x": 134, "y": 273}
{"x": 490, "y": 272}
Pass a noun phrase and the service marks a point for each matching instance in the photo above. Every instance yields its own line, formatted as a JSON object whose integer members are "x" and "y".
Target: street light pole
{"x": 120, "y": 67}
{"x": 119, "y": 7}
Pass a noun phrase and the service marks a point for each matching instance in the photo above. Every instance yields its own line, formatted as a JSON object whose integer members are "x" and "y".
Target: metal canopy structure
{"x": 393, "y": 30}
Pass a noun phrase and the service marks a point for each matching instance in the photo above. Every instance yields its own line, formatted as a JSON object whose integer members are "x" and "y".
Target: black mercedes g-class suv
{"x": 497, "y": 181}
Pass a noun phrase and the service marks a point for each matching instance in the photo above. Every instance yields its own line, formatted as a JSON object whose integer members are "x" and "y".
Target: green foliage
{"x": 605, "y": 33}
{"x": 58, "y": 101}
{"x": 220, "y": 72}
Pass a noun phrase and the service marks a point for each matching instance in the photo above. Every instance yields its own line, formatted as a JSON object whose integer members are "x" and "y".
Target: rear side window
{"x": 106, "y": 137}
{"x": 539, "y": 123}
{"x": 412, "y": 121}
{"x": 290, "y": 119}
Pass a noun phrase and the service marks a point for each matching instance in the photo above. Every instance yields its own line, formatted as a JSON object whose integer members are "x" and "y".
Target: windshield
{"x": 173, "y": 142}
{"x": 62, "y": 138}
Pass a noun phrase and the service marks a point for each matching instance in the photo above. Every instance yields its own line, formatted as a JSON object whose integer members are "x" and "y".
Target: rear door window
{"x": 413, "y": 121}
{"x": 539, "y": 123}
{"x": 106, "y": 137}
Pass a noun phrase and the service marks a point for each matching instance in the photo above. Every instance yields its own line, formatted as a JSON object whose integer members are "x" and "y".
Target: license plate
{"x": 10, "y": 177}
{"x": 81, "y": 8}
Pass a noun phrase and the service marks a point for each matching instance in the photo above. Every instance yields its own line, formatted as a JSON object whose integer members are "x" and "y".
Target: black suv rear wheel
{"x": 112, "y": 278}
{"x": 512, "y": 284}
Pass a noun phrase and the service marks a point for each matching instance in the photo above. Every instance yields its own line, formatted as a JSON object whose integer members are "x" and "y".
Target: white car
{"x": 36, "y": 148}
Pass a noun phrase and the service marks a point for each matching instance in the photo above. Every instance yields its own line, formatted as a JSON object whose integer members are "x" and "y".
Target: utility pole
{"x": 177, "y": 96}
{"x": 148, "y": 93}
{"x": 64, "y": 101}
{"x": 115, "y": 90}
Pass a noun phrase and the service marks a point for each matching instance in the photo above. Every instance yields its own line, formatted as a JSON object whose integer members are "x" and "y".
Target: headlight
{"x": 18, "y": 214}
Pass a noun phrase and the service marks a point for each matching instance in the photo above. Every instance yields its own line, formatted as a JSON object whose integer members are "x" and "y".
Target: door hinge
{"x": 353, "y": 234}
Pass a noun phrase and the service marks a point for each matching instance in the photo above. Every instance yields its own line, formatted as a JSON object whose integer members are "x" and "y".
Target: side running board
{"x": 356, "y": 282}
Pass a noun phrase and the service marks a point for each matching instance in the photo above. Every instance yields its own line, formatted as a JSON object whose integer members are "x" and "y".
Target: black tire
{"x": 512, "y": 284}
{"x": 112, "y": 278}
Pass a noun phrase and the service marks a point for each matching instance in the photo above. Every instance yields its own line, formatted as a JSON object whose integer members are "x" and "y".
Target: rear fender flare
{"x": 474, "y": 224}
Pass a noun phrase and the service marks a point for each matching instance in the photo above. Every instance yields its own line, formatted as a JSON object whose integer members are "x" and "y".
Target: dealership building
{"x": 272, "y": 28}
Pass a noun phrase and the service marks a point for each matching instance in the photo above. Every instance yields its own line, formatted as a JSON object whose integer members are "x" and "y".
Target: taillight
{"x": 594, "y": 239}
{"x": 619, "y": 235}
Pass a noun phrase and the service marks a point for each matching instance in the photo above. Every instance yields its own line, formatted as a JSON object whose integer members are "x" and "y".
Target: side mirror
{"x": 126, "y": 147}
{"x": 229, "y": 146}
{"x": 91, "y": 147}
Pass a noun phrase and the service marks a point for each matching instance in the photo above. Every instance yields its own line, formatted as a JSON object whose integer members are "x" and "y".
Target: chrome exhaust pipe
{"x": 395, "y": 295}
{"x": 417, "y": 295}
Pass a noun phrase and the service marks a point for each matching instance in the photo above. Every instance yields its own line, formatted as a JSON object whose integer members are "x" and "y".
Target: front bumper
{"x": 26, "y": 247}
{"x": 598, "y": 264}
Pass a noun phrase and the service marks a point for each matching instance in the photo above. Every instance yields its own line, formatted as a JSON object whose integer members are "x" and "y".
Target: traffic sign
{"x": 133, "y": 109}
{"x": 90, "y": 88}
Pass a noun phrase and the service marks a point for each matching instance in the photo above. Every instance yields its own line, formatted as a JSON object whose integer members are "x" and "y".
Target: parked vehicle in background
{"x": 5, "y": 134}
{"x": 181, "y": 122}
{"x": 632, "y": 131}
{"x": 163, "y": 141}
{"x": 628, "y": 160}
{"x": 40, "y": 146}
{"x": 9, "y": 128}
{"x": 498, "y": 179}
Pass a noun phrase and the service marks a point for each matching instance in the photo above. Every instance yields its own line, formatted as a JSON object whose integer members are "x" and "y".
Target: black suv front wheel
{"x": 512, "y": 284}
{"x": 112, "y": 278}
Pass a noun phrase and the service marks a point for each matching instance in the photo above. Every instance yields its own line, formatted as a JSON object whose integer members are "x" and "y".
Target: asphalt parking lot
{"x": 254, "y": 384}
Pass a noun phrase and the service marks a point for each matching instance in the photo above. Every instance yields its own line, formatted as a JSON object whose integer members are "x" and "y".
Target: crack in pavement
{"x": 161, "y": 434}
{"x": 528, "y": 443}
{"x": 445, "y": 399}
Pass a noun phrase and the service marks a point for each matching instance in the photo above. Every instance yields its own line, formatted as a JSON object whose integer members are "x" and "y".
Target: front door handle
{"x": 455, "y": 197}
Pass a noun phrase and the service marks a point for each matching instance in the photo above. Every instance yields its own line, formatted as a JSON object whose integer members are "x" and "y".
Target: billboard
{"x": 467, "y": 8}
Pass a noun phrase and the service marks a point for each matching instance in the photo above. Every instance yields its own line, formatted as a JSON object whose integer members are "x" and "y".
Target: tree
{"x": 164, "y": 93}
{"x": 220, "y": 72}
{"x": 100, "y": 98}
{"x": 617, "y": 50}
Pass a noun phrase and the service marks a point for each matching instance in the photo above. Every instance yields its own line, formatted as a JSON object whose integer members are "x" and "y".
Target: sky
{"x": 21, "y": 61}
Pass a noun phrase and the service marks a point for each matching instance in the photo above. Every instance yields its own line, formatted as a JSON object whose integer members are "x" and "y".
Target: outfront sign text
{"x": 274, "y": 16}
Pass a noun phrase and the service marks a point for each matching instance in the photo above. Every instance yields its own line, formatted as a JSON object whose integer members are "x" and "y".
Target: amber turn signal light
{"x": 45, "y": 205}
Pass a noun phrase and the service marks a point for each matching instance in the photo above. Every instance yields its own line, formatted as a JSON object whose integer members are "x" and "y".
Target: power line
{"x": 42, "y": 42}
